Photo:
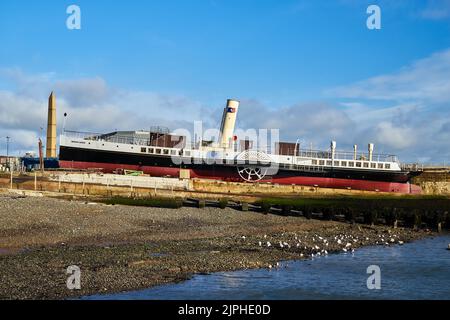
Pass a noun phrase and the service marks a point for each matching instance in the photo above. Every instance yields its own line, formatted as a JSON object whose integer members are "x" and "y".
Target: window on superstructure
{"x": 329, "y": 162}
{"x": 380, "y": 166}
{"x": 373, "y": 165}
{"x": 166, "y": 151}
{"x": 151, "y": 150}
{"x": 158, "y": 151}
{"x": 351, "y": 164}
{"x": 358, "y": 164}
{"x": 143, "y": 149}
{"x": 387, "y": 166}
{"x": 321, "y": 162}
{"x": 173, "y": 152}
{"x": 344, "y": 163}
{"x": 336, "y": 163}
{"x": 314, "y": 162}
{"x": 366, "y": 164}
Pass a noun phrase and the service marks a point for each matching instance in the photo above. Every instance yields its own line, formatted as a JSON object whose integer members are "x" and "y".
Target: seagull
{"x": 268, "y": 244}
{"x": 265, "y": 236}
{"x": 243, "y": 238}
{"x": 260, "y": 243}
{"x": 281, "y": 245}
{"x": 348, "y": 245}
{"x": 345, "y": 250}
{"x": 339, "y": 241}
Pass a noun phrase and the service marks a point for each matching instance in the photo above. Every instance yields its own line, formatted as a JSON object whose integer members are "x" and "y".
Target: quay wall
{"x": 99, "y": 184}
{"x": 434, "y": 181}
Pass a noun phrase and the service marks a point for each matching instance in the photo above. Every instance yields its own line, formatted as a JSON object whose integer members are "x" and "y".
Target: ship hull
{"x": 108, "y": 162}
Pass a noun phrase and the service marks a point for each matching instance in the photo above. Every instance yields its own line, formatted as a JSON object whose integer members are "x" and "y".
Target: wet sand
{"x": 121, "y": 248}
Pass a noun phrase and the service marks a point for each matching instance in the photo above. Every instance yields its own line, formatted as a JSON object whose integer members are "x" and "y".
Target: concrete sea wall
{"x": 434, "y": 181}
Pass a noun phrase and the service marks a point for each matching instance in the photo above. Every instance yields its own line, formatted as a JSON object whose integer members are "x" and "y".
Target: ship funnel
{"x": 228, "y": 123}
{"x": 51, "y": 127}
{"x": 371, "y": 145}
{"x": 355, "y": 150}
{"x": 333, "y": 149}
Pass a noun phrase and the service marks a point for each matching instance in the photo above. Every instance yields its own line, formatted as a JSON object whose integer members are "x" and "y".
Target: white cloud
{"x": 406, "y": 110}
{"x": 310, "y": 122}
{"x": 83, "y": 92}
{"x": 425, "y": 80}
{"x": 395, "y": 137}
{"x": 91, "y": 105}
{"x": 404, "y": 113}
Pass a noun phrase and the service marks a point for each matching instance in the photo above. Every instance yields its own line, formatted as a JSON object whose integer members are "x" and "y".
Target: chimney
{"x": 355, "y": 150}
{"x": 333, "y": 150}
{"x": 228, "y": 123}
{"x": 371, "y": 146}
{"x": 51, "y": 127}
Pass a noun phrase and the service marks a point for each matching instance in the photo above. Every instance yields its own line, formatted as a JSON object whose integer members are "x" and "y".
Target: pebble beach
{"x": 120, "y": 248}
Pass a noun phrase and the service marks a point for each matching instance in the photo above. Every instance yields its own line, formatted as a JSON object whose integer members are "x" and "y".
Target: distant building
{"x": 9, "y": 162}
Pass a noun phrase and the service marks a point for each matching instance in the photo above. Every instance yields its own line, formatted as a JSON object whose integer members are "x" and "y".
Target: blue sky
{"x": 311, "y": 68}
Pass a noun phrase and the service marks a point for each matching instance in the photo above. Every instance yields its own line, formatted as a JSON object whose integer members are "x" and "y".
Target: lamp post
{"x": 64, "y": 122}
{"x": 7, "y": 151}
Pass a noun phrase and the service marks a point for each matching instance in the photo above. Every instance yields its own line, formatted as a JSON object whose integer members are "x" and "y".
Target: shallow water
{"x": 417, "y": 270}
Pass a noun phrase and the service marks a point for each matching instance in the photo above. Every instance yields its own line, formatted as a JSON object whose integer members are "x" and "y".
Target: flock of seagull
{"x": 316, "y": 245}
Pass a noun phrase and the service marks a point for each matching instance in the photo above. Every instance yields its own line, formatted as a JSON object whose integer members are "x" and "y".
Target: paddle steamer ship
{"x": 157, "y": 152}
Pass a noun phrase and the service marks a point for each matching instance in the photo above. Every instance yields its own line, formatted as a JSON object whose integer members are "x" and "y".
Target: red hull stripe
{"x": 321, "y": 182}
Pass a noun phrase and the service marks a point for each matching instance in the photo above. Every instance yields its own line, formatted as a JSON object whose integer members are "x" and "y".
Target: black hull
{"x": 79, "y": 155}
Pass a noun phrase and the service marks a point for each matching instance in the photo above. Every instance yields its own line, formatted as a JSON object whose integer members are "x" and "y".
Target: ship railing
{"x": 345, "y": 155}
{"x": 113, "y": 137}
{"x": 327, "y": 155}
{"x": 81, "y": 135}
{"x": 110, "y": 137}
{"x": 412, "y": 167}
